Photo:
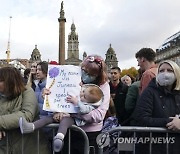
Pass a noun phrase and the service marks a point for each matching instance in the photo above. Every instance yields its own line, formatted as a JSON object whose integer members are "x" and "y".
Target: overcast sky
{"x": 127, "y": 25}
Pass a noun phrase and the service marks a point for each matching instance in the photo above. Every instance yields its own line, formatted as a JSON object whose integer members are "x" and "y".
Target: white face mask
{"x": 165, "y": 78}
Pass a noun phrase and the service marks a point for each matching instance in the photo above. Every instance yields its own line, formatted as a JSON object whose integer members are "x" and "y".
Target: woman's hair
{"x": 95, "y": 65}
{"x": 26, "y": 73}
{"x": 176, "y": 69}
{"x": 95, "y": 92}
{"x": 13, "y": 82}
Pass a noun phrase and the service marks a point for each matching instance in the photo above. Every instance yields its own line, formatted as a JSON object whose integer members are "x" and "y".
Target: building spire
{"x": 8, "y": 46}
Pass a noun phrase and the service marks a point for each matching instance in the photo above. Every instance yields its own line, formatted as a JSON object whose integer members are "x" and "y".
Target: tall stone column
{"x": 62, "y": 21}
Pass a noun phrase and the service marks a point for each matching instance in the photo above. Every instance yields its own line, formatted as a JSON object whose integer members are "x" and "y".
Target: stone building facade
{"x": 73, "y": 48}
{"x": 35, "y": 56}
{"x": 111, "y": 59}
{"x": 170, "y": 49}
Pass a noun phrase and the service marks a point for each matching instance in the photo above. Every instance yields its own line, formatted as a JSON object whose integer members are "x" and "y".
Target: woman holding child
{"x": 94, "y": 71}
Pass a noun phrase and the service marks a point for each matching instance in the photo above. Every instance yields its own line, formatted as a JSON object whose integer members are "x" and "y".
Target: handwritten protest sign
{"x": 62, "y": 80}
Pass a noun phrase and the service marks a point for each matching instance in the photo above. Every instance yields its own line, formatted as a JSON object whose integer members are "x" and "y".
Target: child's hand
{"x": 72, "y": 99}
{"x": 59, "y": 115}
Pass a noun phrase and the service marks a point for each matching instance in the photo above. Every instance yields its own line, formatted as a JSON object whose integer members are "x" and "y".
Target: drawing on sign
{"x": 53, "y": 73}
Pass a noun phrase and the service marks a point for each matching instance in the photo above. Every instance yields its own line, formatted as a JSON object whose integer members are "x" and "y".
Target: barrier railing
{"x": 130, "y": 147}
{"x": 134, "y": 130}
{"x": 54, "y": 129}
{"x": 86, "y": 141}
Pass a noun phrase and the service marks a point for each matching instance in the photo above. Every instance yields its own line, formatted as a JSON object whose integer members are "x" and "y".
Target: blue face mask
{"x": 87, "y": 78}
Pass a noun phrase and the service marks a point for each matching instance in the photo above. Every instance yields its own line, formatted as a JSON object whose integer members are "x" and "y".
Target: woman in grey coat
{"x": 17, "y": 101}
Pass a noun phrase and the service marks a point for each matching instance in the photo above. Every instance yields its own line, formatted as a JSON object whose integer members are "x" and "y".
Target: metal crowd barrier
{"x": 73, "y": 127}
{"x": 134, "y": 130}
{"x": 54, "y": 126}
{"x": 120, "y": 147}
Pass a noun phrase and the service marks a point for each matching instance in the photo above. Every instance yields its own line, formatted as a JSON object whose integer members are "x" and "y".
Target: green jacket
{"x": 10, "y": 111}
{"x": 132, "y": 96}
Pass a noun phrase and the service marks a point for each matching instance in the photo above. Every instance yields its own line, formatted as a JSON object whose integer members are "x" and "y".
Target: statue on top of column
{"x": 62, "y": 5}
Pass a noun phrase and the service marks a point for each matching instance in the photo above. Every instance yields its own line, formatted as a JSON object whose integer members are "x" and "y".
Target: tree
{"x": 132, "y": 72}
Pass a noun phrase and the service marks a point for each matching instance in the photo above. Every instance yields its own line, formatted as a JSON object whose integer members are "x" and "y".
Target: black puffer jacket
{"x": 153, "y": 109}
{"x": 156, "y": 105}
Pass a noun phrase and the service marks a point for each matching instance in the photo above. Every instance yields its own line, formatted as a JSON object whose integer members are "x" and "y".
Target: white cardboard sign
{"x": 62, "y": 80}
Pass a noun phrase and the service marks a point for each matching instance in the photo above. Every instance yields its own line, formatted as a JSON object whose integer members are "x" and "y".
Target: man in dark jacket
{"x": 118, "y": 92}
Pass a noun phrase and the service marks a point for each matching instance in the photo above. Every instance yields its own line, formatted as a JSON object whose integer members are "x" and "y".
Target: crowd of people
{"x": 152, "y": 100}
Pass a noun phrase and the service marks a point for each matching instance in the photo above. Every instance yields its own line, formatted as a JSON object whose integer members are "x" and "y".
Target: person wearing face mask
{"x": 94, "y": 71}
{"x": 158, "y": 103}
